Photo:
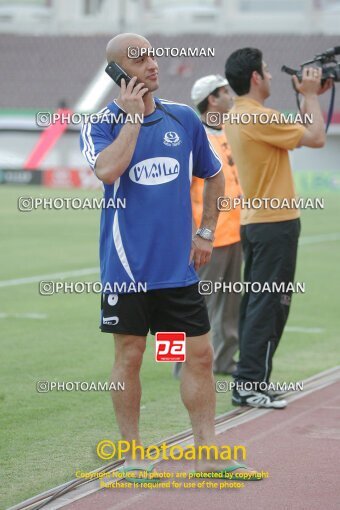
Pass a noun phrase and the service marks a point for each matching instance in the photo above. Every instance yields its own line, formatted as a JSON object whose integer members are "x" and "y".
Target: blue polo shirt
{"x": 149, "y": 241}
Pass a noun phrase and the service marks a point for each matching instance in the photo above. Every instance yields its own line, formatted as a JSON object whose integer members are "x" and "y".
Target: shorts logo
{"x": 112, "y": 299}
{"x": 155, "y": 171}
{"x": 111, "y": 321}
{"x": 171, "y": 139}
{"x": 170, "y": 346}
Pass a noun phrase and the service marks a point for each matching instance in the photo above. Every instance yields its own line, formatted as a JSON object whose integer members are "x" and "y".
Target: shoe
{"x": 276, "y": 394}
{"x": 256, "y": 399}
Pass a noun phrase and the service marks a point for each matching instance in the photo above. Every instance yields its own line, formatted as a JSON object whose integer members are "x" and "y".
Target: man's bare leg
{"x": 197, "y": 388}
{"x": 129, "y": 350}
{"x": 199, "y": 397}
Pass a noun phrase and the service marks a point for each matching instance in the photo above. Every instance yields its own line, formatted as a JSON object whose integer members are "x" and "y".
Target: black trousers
{"x": 270, "y": 251}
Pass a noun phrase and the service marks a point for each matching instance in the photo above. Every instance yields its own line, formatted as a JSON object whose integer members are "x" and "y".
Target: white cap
{"x": 205, "y": 86}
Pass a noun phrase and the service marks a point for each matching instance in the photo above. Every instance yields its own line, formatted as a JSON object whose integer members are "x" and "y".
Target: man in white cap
{"x": 212, "y": 99}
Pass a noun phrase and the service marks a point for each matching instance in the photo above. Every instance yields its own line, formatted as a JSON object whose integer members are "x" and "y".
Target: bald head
{"x": 143, "y": 67}
{"x": 117, "y": 47}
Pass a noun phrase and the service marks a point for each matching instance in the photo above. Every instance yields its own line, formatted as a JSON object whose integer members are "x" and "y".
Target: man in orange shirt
{"x": 211, "y": 96}
{"x": 269, "y": 233}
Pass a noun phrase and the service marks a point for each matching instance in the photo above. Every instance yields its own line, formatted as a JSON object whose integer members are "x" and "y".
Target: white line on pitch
{"x": 320, "y": 239}
{"x": 298, "y": 329}
{"x": 94, "y": 270}
{"x": 48, "y": 277}
{"x": 28, "y": 315}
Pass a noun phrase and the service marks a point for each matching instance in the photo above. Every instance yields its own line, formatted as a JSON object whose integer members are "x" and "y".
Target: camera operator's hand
{"x": 310, "y": 84}
{"x": 131, "y": 97}
{"x": 326, "y": 86}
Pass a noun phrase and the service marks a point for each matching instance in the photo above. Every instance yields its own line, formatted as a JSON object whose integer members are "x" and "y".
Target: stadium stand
{"x": 47, "y": 70}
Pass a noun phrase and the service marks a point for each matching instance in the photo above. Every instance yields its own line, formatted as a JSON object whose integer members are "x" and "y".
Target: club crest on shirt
{"x": 171, "y": 139}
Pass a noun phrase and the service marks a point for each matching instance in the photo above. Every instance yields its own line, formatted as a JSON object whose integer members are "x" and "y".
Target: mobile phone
{"x": 117, "y": 73}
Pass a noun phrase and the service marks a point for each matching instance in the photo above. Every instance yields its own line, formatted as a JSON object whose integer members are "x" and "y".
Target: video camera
{"x": 330, "y": 69}
{"x": 327, "y": 61}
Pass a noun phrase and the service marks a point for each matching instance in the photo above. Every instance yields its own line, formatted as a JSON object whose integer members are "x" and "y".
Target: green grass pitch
{"x": 47, "y": 437}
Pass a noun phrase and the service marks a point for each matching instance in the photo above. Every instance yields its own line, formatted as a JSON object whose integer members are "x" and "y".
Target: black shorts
{"x": 177, "y": 309}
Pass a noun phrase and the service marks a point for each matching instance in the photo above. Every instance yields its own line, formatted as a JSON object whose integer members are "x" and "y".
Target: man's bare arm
{"x": 114, "y": 160}
{"x": 213, "y": 188}
{"x": 328, "y": 84}
{"x": 309, "y": 87}
{"x": 201, "y": 248}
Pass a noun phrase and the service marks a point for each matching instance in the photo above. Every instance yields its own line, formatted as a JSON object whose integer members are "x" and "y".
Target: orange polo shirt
{"x": 261, "y": 153}
{"x": 228, "y": 225}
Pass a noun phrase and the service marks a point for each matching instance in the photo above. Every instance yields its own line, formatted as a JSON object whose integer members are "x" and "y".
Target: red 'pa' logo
{"x": 170, "y": 346}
